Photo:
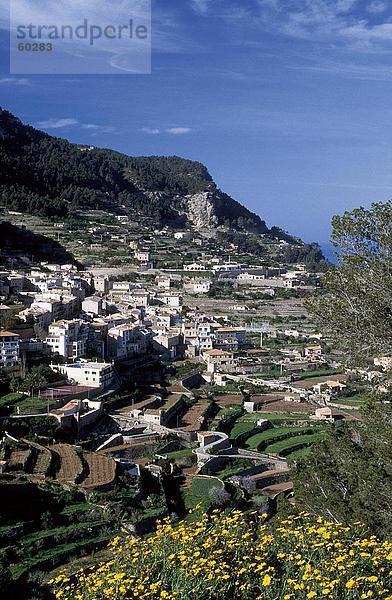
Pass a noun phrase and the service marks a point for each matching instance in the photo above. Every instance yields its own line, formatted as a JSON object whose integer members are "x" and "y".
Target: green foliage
{"x": 221, "y": 556}
{"x": 310, "y": 254}
{"x": 356, "y": 311}
{"x": 43, "y": 175}
{"x": 36, "y": 377}
{"x": 347, "y": 474}
{"x": 16, "y": 241}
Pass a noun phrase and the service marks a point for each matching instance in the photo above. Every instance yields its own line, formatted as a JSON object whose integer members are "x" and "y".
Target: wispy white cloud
{"x": 169, "y": 130}
{"x": 366, "y": 33}
{"x": 57, "y": 123}
{"x": 19, "y": 81}
{"x": 150, "y": 130}
{"x": 377, "y": 7}
{"x": 66, "y": 122}
{"x": 82, "y": 46}
{"x": 201, "y": 6}
{"x": 178, "y": 130}
{"x": 364, "y": 72}
{"x": 98, "y": 128}
{"x": 349, "y": 23}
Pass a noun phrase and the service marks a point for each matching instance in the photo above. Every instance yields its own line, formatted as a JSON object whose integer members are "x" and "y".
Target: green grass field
{"x": 233, "y": 467}
{"x": 275, "y": 417}
{"x": 202, "y": 486}
{"x": 289, "y": 445}
{"x": 318, "y": 373}
{"x": 254, "y": 442}
{"x": 25, "y": 404}
{"x": 178, "y": 454}
{"x": 241, "y": 427}
{"x": 356, "y": 401}
{"x": 199, "y": 491}
{"x": 59, "y": 554}
{"x": 10, "y": 399}
{"x": 298, "y": 454}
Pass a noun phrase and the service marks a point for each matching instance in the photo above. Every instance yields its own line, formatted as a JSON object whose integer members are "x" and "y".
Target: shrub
{"x": 240, "y": 557}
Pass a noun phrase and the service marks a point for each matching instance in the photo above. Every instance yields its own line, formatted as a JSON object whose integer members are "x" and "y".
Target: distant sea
{"x": 328, "y": 251}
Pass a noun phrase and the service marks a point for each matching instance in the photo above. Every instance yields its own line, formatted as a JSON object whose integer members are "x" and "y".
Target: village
{"x": 207, "y": 373}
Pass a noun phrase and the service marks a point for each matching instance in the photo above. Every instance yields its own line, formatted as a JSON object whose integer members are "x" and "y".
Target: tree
{"x": 356, "y": 312}
{"x": 34, "y": 380}
{"x": 348, "y": 475}
{"x": 219, "y": 496}
{"x": 14, "y": 384}
{"x": 5, "y": 578}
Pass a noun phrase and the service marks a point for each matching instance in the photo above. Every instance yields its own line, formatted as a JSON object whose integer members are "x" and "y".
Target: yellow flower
{"x": 266, "y": 581}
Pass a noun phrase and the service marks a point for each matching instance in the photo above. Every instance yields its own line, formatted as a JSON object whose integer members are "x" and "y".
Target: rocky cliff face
{"x": 201, "y": 210}
{"x": 44, "y": 175}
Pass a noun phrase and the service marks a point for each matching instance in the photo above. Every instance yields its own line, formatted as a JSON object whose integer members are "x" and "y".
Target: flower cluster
{"x": 240, "y": 557}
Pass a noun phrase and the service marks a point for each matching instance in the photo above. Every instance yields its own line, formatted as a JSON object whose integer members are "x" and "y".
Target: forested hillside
{"x": 17, "y": 244}
{"x": 44, "y": 175}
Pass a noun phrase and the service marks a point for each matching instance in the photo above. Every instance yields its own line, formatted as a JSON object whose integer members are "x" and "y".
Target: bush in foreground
{"x": 234, "y": 556}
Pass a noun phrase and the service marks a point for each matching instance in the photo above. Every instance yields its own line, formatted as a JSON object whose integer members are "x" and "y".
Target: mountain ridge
{"x": 49, "y": 176}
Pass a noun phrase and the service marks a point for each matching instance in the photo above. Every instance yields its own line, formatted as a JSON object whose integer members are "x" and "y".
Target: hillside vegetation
{"x": 48, "y": 176}
{"x": 232, "y": 556}
{"x": 21, "y": 244}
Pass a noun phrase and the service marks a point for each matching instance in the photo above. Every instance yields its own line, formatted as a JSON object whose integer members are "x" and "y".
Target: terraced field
{"x": 199, "y": 490}
{"x": 240, "y": 428}
{"x": 261, "y": 441}
{"x": 288, "y": 446}
{"x": 43, "y": 461}
{"x": 289, "y": 433}
{"x": 178, "y": 454}
{"x": 101, "y": 471}
{"x": 353, "y": 401}
{"x": 18, "y": 459}
{"x": 42, "y": 458}
{"x": 70, "y": 463}
{"x": 193, "y": 418}
{"x": 38, "y": 539}
{"x": 63, "y": 553}
{"x": 280, "y": 417}
{"x": 298, "y": 454}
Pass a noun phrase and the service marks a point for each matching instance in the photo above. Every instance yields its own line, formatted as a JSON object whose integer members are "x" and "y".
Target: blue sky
{"x": 288, "y": 102}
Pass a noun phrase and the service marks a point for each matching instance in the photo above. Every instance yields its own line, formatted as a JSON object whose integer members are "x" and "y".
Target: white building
{"x": 227, "y": 268}
{"x": 194, "y": 267}
{"x": 102, "y": 284}
{"x": 183, "y": 235}
{"x": 127, "y": 340}
{"x": 142, "y": 256}
{"x": 90, "y": 374}
{"x": 69, "y": 338}
{"x": 230, "y": 338}
{"x": 218, "y": 360}
{"x": 93, "y": 305}
{"x": 173, "y": 300}
{"x": 166, "y": 344}
{"x": 313, "y": 352}
{"x": 205, "y": 336}
{"x": 163, "y": 282}
{"x": 122, "y": 286}
{"x": 250, "y": 276}
{"x": 200, "y": 287}
{"x": 9, "y": 349}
